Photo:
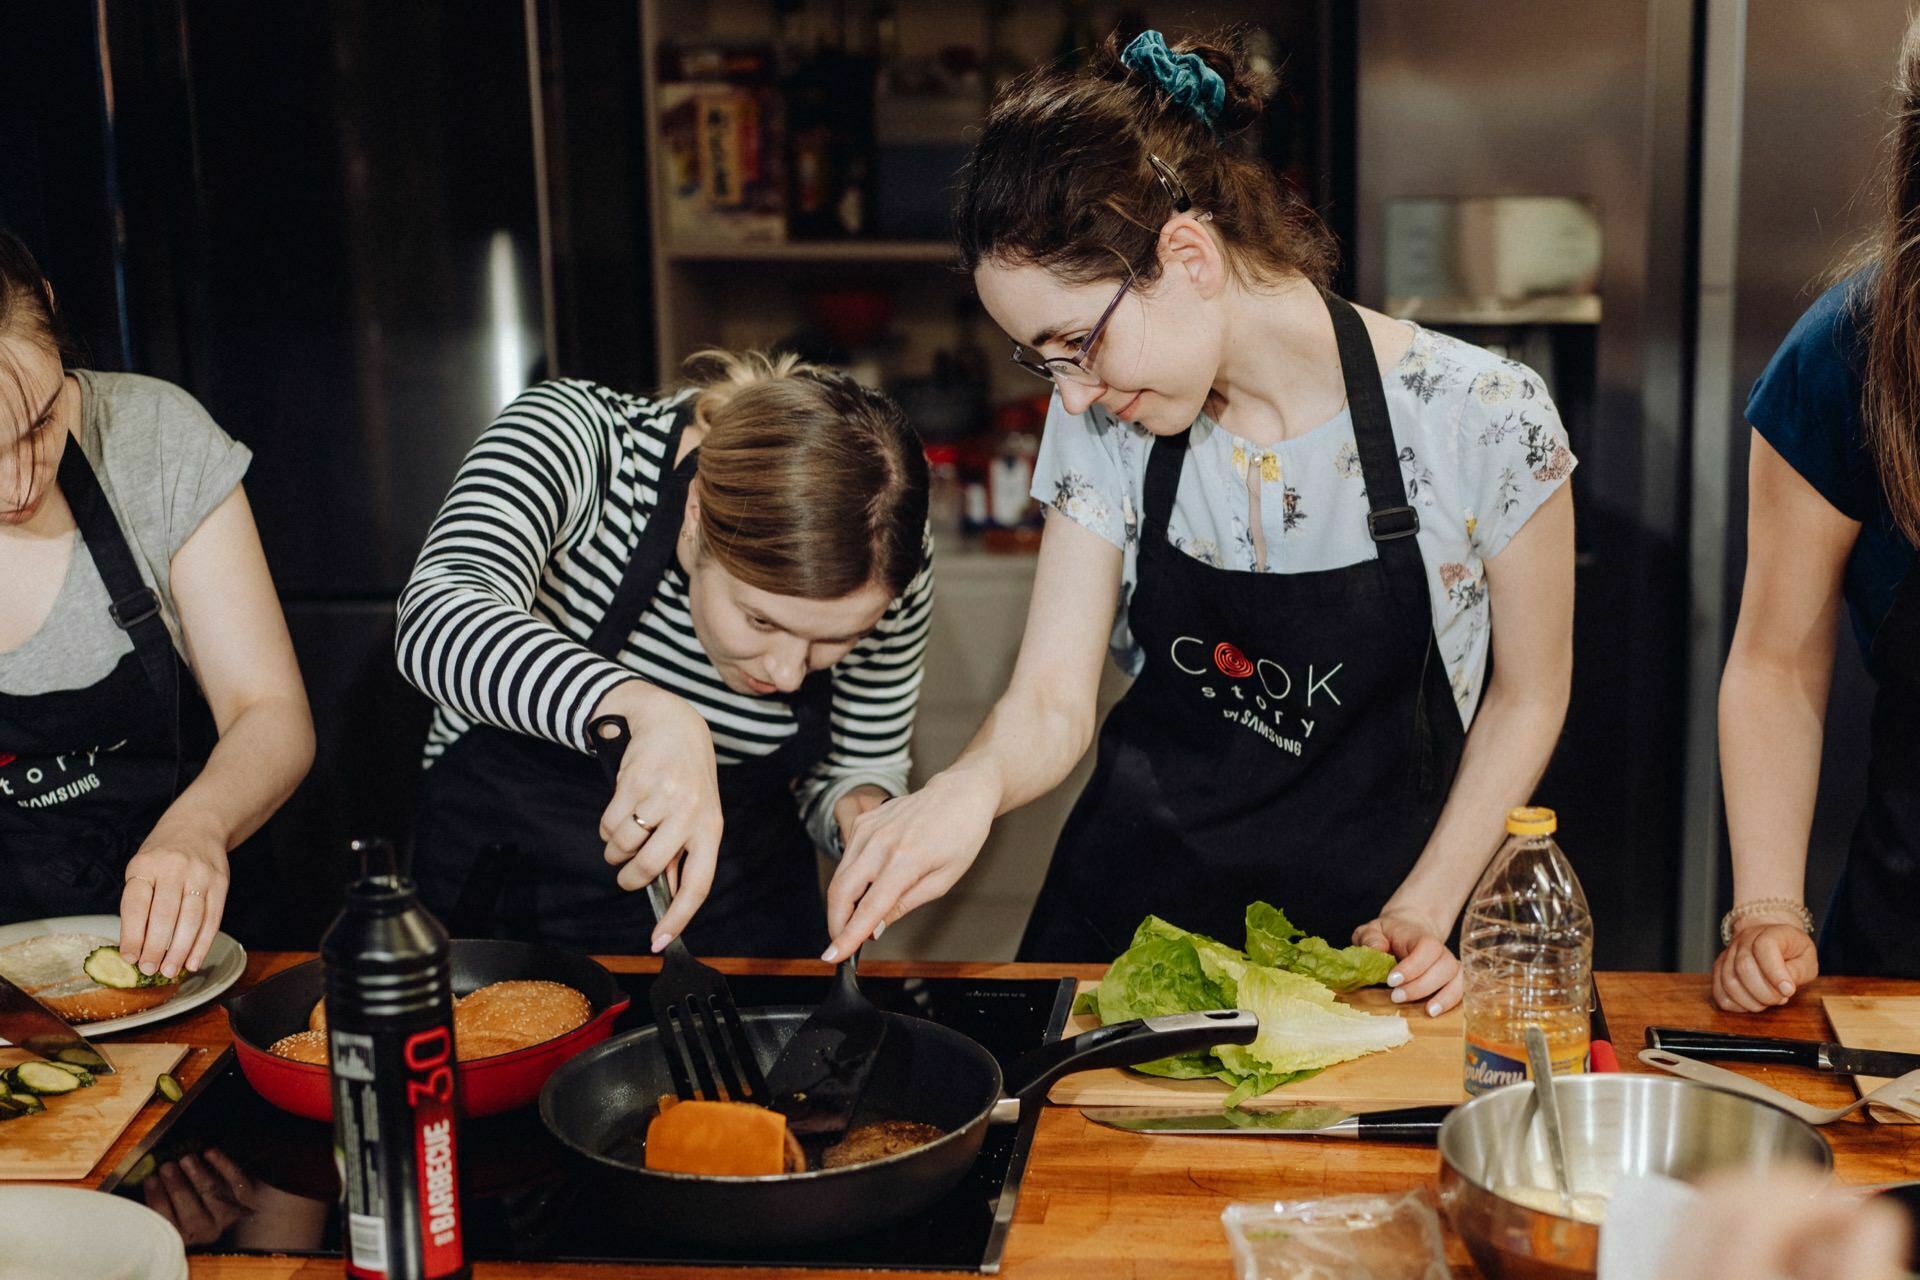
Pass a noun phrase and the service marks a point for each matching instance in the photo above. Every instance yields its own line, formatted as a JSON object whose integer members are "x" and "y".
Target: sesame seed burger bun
{"x": 48, "y": 968}
{"x": 526, "y": 1011}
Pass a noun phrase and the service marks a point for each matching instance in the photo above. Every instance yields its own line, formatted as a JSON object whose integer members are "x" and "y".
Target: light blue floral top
{"x": 1481, "y": 447}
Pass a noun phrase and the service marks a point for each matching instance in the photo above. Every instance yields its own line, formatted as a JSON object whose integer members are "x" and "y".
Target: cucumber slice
{"x": 104, "y": 966}
{"x": 77, "y": 1057}
{"x": 27, "y": 1103}
{"x": 142, "y": 1170}
{"x": 44, "y": 1078}
{"x": 12, "y": 1108}
{"x": 84, "y": 1076}
{"x": 169, "y": 1088}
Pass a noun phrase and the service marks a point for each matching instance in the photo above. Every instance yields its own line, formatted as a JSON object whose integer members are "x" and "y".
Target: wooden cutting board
{"x": 1425, "y": 1071}
{"x": 1876, "y": 1022}
{"x": 76, "y": 1129}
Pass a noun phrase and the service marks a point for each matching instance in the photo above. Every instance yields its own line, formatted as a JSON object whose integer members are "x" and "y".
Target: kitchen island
{"x": 1103, "y": 1205}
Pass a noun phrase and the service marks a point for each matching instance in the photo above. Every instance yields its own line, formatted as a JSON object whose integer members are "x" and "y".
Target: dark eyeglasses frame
{"x": 1073, "y": 368}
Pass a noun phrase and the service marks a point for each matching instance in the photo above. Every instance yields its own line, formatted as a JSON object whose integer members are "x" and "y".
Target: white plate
{"x": 68, "y": 1231}
{"x": 226, "y": 961}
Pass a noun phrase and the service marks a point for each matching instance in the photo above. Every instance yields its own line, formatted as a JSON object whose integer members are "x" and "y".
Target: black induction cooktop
{"x": 527, "y": 1198}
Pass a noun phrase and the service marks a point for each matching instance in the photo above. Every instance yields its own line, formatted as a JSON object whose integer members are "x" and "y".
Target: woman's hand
{"x": 905, "y": 853}
{"x": 862, "y": 799}
{"x": 1789, "y": 1224}
{"x": 1764, "y": 965}
{"x": 202, "y": 1196}
{"x": 667, "y": 801}
{"x": 1427, "y": 970}
{"x": 176, "y": 891}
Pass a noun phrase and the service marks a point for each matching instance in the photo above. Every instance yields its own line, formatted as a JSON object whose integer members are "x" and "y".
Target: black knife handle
{"x": 1407, "y": 1124}
{"x": 1734, "y": 1048}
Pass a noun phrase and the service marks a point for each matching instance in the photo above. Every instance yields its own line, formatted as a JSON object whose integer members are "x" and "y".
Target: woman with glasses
{"x": 134, "y": 599}
{"x": 1306, "y": 529}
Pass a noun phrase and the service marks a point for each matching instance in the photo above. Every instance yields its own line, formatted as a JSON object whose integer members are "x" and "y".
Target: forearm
{"x": 1772, "y": 718}
{"x": 255, "y": 766}
{"x": 1027, "y": 746}
{"x": 1512, "y": 739}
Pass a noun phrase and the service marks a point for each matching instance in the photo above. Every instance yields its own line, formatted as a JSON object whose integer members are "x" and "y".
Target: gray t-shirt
{"x": 164, "y": 466}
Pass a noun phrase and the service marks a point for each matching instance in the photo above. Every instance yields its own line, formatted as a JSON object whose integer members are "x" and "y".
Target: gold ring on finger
{"x": 643, "y": 823}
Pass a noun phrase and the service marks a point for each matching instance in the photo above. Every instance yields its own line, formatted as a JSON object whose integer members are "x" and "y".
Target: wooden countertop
{"x": 1103, "y": 1205}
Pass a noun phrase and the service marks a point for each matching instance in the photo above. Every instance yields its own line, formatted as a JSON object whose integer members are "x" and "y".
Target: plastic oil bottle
{"x": 1526, "y": 948}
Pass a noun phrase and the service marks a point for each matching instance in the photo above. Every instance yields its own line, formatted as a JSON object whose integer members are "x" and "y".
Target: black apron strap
{"x": 649, "y": 561}
{"x": 1164, "y": 462}
{"x": 1390, "y": 520}
{"x": 135, "y": 606}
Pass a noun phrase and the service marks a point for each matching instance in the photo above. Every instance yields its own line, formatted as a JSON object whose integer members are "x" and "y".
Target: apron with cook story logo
{"x": 1291, "y": 737}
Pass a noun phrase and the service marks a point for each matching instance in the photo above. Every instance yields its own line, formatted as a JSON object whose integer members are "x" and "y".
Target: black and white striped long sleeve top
{"x": 524, "y": 559}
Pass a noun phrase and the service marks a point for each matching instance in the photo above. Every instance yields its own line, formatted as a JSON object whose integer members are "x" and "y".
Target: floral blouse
{"x": 1481, "y": 447}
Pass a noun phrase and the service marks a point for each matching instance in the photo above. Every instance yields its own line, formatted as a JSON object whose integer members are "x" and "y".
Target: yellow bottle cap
{"x": 1531, "y": 822}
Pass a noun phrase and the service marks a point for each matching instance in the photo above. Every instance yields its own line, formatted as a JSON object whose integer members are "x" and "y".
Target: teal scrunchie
{"x": 1186, "y": 77}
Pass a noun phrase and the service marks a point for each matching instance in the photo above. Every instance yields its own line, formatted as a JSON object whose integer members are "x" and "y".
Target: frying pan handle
{"x": 609, "y": 737}
{"x": 1125, "y": 1044}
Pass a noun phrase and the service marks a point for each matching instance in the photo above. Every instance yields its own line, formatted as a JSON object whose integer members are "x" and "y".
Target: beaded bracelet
{"x": 1786, "y": 906}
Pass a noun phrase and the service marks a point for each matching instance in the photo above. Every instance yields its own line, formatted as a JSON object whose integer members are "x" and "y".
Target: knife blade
{"x": 32, "y": 1026}
{"x": 1815, "y": 1055}
{"x": 1404, "y": 1124}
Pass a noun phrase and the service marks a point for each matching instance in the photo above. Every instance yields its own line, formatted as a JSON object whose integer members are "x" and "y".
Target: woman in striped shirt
{"x": 740, "y": 570}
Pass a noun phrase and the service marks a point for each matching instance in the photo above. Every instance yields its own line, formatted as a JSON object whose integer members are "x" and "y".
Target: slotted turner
{"x": 707, "y": 1049}
{"x": 820, "y": 1075}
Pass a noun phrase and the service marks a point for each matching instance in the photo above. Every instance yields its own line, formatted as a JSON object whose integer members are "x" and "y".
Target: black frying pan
{"x": 599, "y": 1102}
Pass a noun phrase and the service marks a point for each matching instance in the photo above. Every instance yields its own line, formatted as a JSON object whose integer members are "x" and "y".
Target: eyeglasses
{"x": 1073, "y": 369}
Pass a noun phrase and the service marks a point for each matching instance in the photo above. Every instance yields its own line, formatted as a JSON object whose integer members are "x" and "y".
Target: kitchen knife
{"x": 1407, "y": 1124}
{"x": 1815, "y": 1055}
{"x": 32, "y": 1026}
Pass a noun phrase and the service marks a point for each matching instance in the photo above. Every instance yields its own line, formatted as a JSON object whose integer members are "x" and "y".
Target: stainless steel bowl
{"x": 1614, "y": 1125}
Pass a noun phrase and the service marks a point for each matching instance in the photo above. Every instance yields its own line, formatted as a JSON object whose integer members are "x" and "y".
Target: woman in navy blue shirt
{"x": 1833, "y": 521}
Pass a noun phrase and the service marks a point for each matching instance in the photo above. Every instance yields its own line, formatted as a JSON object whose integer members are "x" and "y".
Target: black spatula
{"x": 819, "y": 1077}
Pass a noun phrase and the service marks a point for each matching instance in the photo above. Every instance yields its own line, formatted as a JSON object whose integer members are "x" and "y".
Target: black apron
{"x": 86, "y": 773}
{"x": 1873, "y": 926}
{"x": 507, "y": 842}
{"x": 1291, "y": 737}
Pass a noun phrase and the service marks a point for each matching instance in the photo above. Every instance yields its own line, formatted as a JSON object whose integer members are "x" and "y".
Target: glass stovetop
{"x": 525, "y": 1197}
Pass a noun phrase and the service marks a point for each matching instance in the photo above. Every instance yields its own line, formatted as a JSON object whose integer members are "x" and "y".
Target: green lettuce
{"x": 1303, "y": 1029}
{"x": 1273, "y": 940}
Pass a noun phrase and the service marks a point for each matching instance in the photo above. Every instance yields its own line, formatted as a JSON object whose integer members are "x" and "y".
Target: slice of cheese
{"x": 725, "y": 1139}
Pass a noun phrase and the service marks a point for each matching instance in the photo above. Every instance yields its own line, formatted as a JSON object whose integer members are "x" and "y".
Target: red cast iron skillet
{"x": 281, "y": 1005}
{"x": 599, "y": 1102}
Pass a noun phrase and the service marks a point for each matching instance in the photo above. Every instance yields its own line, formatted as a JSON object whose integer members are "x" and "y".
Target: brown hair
{"x": 27, "y": 314}
{"x": 810, "y": 484}
{"x": 1886, "y": 303}
{"x": 1060, "y": 179}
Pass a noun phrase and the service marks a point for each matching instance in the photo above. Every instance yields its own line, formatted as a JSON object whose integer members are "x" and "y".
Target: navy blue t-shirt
{"x": 1807, "y": 406}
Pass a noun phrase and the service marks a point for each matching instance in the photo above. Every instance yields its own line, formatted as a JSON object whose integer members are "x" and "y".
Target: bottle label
{"x": 1492, "y": 1065}
{"x": 394, "y": 1127}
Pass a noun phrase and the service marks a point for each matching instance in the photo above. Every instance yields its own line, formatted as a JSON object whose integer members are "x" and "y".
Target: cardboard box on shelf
{"x": 720, "y": 158}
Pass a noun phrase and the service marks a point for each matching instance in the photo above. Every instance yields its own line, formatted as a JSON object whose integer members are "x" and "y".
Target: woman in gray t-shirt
{"x": 132, "y": 587}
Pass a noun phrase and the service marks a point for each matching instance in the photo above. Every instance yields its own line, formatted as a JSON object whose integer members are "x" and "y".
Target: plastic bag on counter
{"x": 1359, "y": 1237}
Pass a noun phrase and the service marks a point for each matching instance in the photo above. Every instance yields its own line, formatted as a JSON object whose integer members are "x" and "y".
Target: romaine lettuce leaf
{"x": 1273, "y": 940}
{"x": 1303, "y": 1028}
